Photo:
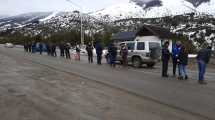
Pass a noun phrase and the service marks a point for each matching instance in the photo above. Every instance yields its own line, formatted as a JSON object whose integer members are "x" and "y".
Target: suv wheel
{"x": 136, "y": 62}
{"x": 150, "y": 65}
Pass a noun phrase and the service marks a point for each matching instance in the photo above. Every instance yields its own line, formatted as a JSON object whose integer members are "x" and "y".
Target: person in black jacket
{"x": 165, "y": 59}
{"x": 67, "y": 48}
{"x": 112, "y": 50}
{"x": 99, "y": 52}
{"x": 203, "y": 59}
{"x": 183, "y": 62}
{"x": 41, "y": 48}
{"x": 62, "y": 49}
{"x": 89, "y": 50}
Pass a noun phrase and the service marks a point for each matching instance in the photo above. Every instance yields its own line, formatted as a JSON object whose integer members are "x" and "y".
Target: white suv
{"x": 142, "y": 51}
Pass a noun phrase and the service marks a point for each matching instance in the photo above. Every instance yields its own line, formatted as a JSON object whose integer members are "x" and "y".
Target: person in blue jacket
{"x": 99, "y": 52}
{"x": 175, "y": 57}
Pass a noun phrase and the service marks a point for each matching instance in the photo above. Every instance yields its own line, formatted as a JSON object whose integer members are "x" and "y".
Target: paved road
{"x": 184, "y": 95}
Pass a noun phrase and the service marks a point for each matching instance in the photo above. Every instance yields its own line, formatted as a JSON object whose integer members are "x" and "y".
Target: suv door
{"x": 131, "y": 48}
{"x": 141, "y": 50}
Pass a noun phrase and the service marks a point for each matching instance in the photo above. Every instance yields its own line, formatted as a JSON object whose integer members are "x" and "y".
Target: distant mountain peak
{"x": 155, "y": 8}
{"x": 147, "y": 3}
{"x": 197, "y": 3}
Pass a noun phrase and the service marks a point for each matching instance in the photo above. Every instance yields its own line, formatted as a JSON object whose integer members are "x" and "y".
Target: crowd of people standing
{"x": 49, "y": 48}
{"x": 179, "y": 55}
{"x": 180, "y": 58}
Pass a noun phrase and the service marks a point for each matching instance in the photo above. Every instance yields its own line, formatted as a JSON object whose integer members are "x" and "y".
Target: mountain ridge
{"x": 136, "y": 9}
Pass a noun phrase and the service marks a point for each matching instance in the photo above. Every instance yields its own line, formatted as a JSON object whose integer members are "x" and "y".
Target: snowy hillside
{"x": 168, "y": 8}
{"x": 22, "y": 20}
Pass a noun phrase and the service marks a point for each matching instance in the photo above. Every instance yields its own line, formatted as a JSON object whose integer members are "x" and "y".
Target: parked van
{"x": 143, "y": 50}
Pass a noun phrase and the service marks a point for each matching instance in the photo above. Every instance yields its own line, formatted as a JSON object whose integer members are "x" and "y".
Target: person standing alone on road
{"x": 112, "y": 49}
{"x": 183, "y": 62}
{"x": 89, "y": 50}
{"x": 165, "y": 59}
{"x": 99, "y": 52}
{"x": 175, "y": 53}
{"x": 203, "y": 59}
{"x": 124, "y": 54}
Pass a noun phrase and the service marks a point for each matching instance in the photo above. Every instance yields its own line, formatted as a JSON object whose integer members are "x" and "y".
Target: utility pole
{"x": 81, "y": 15}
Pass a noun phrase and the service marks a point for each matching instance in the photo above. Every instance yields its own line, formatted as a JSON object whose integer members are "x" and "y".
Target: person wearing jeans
{"x": 203, "y": 59}
{"x": 183, "y": 70}
{"x": 183, "y": 62}
{"x": 202, "y": 69}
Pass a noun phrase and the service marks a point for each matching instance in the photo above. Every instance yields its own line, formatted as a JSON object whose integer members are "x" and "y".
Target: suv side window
{"x": 130, "y": 46}
{"x": 140, "y": 46}
{"x": 154, "y": 45}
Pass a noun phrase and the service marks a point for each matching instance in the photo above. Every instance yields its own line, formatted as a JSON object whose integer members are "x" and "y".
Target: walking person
{"x": 29, "y": 47}
{"x": 33, "y": 47}
{"x": 25, "y": 47}
{"x": 112, "y": 49}
{"x": 175, "y": 56}
{"x": 78, "y": 50}
{"x": 183, "y": 62}
{"x": 67, "y": 50}
{"x": 41, "y": 48}
{"x": 165, "y": 59}
{"x": 53, "y": 50}
{"x": 62, "y": 49}
{"x": 124, "y": 54}
{"x": 203, "y": 59}
{"x": 89, "y": 50}
{"x": 48, "y": 48}
{"x": 99, "y": 52}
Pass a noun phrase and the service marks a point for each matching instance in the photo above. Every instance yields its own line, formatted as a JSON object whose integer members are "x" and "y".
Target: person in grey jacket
{"x": 203, "y": 59}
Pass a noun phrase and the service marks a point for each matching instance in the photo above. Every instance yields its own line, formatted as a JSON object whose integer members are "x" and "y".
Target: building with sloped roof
{"x": 145, "y": 33}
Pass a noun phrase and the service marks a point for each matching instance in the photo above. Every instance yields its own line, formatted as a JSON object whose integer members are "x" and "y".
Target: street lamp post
{"x": 81, "y": 15}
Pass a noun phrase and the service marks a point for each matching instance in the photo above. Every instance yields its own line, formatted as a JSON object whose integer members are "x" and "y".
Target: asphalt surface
{"x": 187, "y": 96}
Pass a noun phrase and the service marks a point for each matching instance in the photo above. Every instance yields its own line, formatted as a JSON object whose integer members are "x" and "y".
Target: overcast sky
{"x": 13, "y": 7}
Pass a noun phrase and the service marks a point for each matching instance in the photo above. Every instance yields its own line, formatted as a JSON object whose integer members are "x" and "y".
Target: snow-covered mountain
{"x": 134, "y": 9}
{"x": 22, "y": 20}
{"x": 194, "y": 19}
{"x": 3, "y": 16}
